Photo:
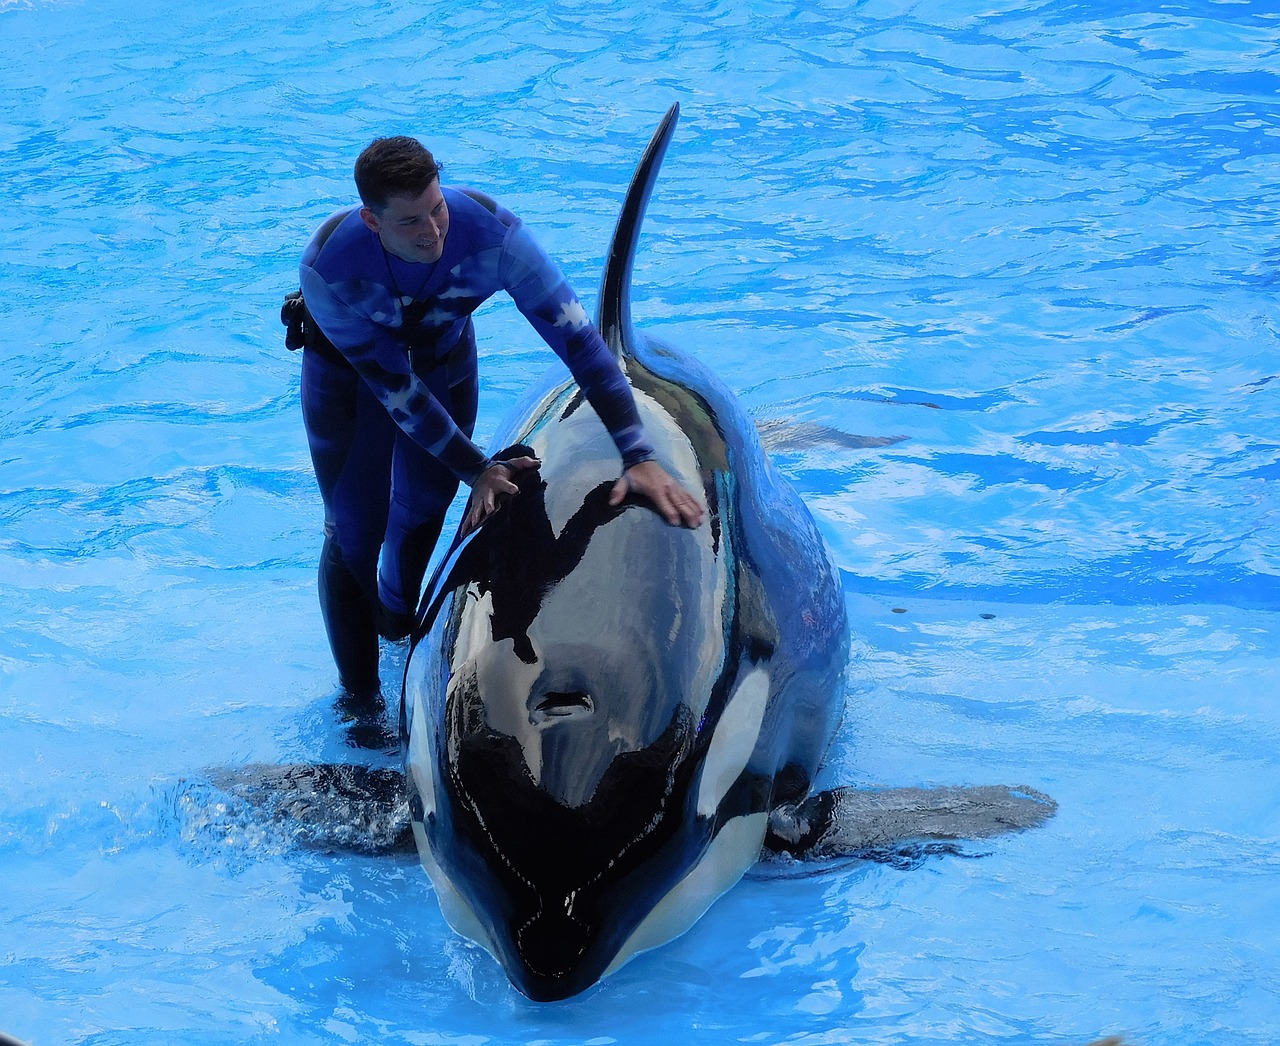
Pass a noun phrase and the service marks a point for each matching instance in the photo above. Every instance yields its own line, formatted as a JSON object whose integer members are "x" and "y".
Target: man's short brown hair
{"x": 398, "y": 166}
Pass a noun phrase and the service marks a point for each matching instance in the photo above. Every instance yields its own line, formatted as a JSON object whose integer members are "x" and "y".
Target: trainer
{"x": 390, "y": 386}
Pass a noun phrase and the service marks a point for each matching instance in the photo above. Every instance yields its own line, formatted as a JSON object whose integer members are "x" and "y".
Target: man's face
{"x": 412, "y": 228}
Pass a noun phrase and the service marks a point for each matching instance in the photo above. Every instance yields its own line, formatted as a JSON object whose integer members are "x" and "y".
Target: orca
{"x": 602, "y": 713}
{"x": 605, "y": 720}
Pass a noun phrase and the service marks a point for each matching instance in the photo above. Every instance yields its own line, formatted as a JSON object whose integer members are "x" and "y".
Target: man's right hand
{"x": 494, "y": 484}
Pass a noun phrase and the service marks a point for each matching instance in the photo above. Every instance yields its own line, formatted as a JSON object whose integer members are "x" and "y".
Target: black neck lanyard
{"x": 395, "y": 284}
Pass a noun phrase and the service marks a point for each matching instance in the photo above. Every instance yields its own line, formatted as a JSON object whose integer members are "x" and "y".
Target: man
{"x": 389, "y": 391}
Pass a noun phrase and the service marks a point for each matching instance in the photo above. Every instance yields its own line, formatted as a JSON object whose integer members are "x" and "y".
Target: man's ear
{"x": 369, "y": 218}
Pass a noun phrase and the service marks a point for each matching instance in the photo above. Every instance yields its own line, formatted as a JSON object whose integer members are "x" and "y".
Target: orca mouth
{"x": 553, "y": 946}
{"x": 559, "y": 705}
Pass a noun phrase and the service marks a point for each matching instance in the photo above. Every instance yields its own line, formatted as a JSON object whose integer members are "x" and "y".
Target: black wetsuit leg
{"x": 349, "y": 622}
{"x": 351, "y": 437}
{"x": 380, "y": 491}
{"x": 421, "y": 492}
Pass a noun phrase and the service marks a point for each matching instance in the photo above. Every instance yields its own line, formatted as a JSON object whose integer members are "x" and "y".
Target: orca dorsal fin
{"x": 613, "y": 314}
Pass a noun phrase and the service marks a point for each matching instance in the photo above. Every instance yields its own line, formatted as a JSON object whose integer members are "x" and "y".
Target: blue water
{"x": 1037, "y": 240}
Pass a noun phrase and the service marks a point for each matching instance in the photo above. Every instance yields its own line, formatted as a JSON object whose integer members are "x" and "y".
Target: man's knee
{"x": 346, "y": 548}
{"x": 421, "y": 491}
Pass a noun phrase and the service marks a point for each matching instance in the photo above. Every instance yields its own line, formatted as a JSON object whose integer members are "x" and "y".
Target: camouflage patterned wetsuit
{"x": 390, "y": 407}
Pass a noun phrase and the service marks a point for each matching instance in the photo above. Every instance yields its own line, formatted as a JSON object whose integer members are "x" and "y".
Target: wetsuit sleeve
{"x": 382, "y": 360}
{"x": 542, "y": 294}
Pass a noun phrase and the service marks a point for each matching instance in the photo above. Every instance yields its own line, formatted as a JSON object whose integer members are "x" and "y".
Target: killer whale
{"x": 600, "y": 710}
{"x": 604, "y": 719}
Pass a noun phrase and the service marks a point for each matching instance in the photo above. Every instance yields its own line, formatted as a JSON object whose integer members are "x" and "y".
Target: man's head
{"x": 399, "y": 184}
{"x": 398, "y": 166}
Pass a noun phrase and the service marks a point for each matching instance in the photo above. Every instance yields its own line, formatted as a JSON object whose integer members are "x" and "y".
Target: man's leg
{"x": 351, "y": 437}
{"x": 424, "y": 490}
{"x": 421, "y": 492}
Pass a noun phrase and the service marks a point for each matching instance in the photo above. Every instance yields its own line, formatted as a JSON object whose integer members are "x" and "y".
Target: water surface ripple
{"x": 999, "y": 281}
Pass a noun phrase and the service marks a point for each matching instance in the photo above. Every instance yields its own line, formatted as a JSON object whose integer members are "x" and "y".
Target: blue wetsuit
{"x": 389, "y": 415}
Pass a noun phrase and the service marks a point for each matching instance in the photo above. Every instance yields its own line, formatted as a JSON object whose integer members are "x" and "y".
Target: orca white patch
{"x": 734, "y": 740}
{"x": 735, "y": 848}
{"x": 420, "y": 763}
{"x": 456, "y": 910}
{"x": 420, "y": 768}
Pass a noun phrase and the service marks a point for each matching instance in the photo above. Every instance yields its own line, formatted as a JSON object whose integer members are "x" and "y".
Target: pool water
{"x": 1023, "y": 253}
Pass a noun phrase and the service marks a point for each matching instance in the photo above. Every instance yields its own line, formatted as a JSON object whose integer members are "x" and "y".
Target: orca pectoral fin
{"x": 335, "y": 807}
{"x": 783, "y": 435}
{"x": 846, "y": 822}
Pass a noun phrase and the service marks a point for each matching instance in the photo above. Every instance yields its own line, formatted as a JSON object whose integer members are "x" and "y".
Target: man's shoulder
{"x": 342, "y": 246}
{"x": 477, "y": 208}
{"x": 475, "y": 195}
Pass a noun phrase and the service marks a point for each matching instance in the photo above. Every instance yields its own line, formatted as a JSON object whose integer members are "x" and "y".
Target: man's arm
{"x": 545, "y": 298}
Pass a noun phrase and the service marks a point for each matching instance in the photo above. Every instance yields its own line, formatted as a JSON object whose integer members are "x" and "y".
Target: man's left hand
{"x": 674, "y": 504}
{"x": 492, "y": 488}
